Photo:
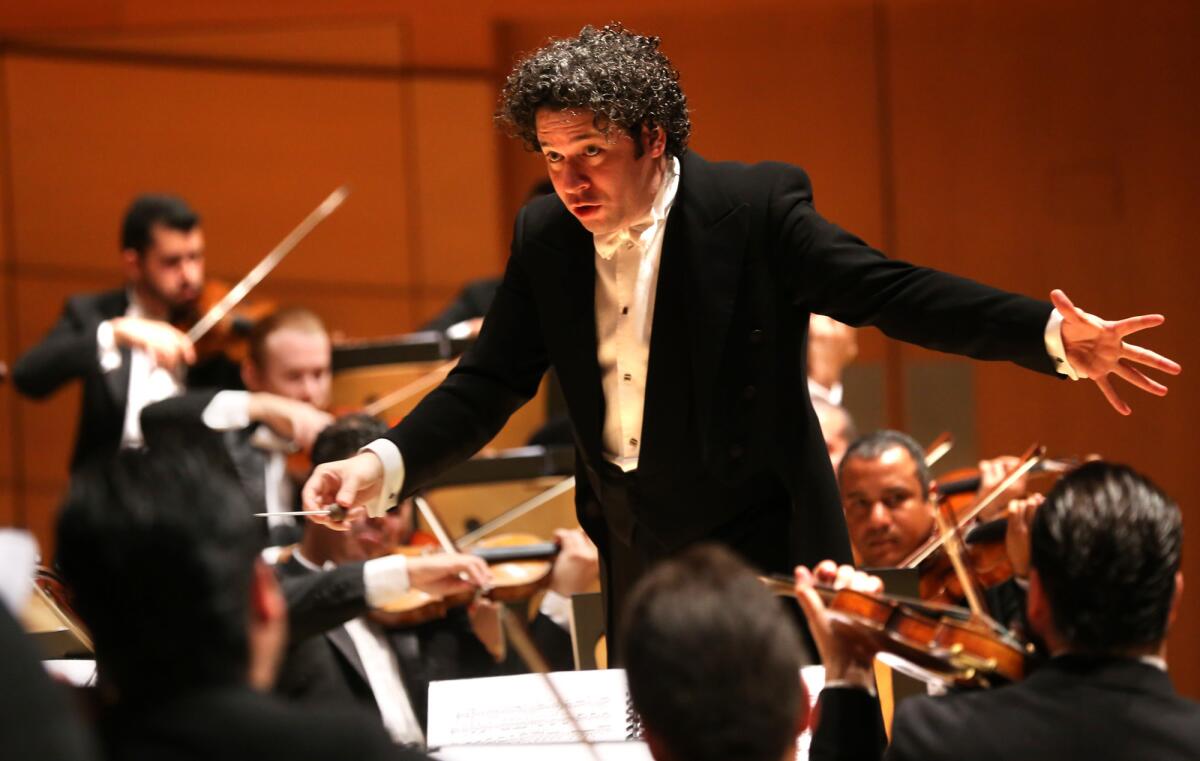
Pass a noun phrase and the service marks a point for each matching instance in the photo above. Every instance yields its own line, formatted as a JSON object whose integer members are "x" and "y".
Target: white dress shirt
{"x": 148, "y": 383}
{"x": 380, "y": 665}
{"x": 627, "y": 264}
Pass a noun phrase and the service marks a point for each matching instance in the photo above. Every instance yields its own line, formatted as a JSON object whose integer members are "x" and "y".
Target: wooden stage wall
{"x": 1030, "y": 144}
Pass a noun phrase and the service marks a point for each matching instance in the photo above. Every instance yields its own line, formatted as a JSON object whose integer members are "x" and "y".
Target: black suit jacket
{"x": 727, "y": 419}
{"x": 236, "y": 724}
{"x": 1070, "y": 708}
{"x": 325, "y": 667}
{"x": 179, "y": 421}
{"x": 69, "y": 351}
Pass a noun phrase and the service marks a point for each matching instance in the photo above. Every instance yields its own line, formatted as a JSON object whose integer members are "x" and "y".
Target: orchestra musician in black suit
{"x": 671, "y": 295}
{"x": 384, "y": 666}
{"x": 1104, "y": 586}
{"x": 120, "y": 343}
{"x": 188, "y": 623}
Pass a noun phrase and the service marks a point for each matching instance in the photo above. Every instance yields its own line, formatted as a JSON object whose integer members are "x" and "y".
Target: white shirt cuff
{"x": 228, "y": 411}
{"x": 106, "y": 348}
{"x": 1054, "y": 346}
{"x": 385, "y": 579}
{"x": 832, "y": 394}
{"x": 557, "y": 608}
{"x": 393, "y": 476}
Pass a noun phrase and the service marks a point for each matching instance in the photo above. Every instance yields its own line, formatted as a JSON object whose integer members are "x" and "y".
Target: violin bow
{"x": 413, "y": 387}
{"x": 268, "y": 263}
{"x": 523, "y": 644}
{"x": 1032, "y": 457}
{"x": 953, "y": 542}
{"x": 435, "y": 524}
{"x": 938, "y": 449}
{"x": 510, "y": 515}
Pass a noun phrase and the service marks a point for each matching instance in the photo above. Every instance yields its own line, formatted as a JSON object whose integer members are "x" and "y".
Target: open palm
{"x": 1096, "y": 349}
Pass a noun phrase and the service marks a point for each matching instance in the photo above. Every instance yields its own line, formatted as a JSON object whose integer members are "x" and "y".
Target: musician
{"x": 121, "y": 343}
{"x": 188, "y": 623}
{"x": 671, "y": 294}
{"x": 713, "y": 662}
{"x": 1104, "y": 588}
{"x": 355, "y": 659}
{"x": 287, "y": 375}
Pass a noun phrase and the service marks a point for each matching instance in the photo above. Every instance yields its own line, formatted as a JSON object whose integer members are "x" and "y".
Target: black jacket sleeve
{"x": 317, "y": 602}
{"x": 847, "y": 727}
{"x": 67, "y": 352}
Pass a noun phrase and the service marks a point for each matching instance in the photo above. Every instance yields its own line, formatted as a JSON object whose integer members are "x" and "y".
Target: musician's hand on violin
{"x": 842, "y": 662}
{"x": 995, "y": 470}
{"x": 1016, "y": 535}
{"x": 351, "y": 483}
{"x": 1096, "y": 349}
{"x": 577, "y": 566}
{"x": 448, "y": 573}
{"x": 300, "y": 422}
{"x": 166, "y": 344}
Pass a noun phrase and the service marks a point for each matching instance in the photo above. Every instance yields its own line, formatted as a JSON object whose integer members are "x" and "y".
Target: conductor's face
{"x": 603, "y": 179}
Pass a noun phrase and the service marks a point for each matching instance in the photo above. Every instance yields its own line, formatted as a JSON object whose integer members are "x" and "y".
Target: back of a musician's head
{"x": 158, "y": 551}
{"x": 345, "y": 436}
{"x": 1106, "y": 548}
{"x": 713, "y": 661}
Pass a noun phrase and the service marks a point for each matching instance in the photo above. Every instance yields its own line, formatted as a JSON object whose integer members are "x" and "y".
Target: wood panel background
{"x": 1028, "y": 144}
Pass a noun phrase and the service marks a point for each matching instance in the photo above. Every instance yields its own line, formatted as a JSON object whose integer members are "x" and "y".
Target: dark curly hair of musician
{"x": 622, "y": 77}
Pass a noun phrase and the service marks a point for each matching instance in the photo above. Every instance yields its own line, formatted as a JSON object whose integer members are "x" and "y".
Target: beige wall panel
{"x": 362, "y": 311}
{"x": 1032, "y": 157}
{"x": 253, "y": 152}
{"x": 456, "y": 181}
{"x": 346, "y": 43}
{"x": 42, "y": 507}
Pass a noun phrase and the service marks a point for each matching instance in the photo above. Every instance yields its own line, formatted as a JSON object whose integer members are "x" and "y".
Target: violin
{"x": 520, "y": 565}
{"x": 934, "y": 643}
{"x": 229, "y": 336}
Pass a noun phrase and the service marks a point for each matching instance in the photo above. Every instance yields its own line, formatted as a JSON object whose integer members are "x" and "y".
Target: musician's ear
{"x": 1037, "y": 609}
{"x": 1175, "y": 600}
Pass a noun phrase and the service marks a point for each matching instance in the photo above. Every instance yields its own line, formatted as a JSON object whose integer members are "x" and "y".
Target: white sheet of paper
{"x": 622, "y": 751}
{"x": 520, "y": 709}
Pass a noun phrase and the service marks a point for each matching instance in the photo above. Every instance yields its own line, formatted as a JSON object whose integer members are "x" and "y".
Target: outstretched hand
{"x": 350, "y": 483}
{"x": 1096, "y": 349}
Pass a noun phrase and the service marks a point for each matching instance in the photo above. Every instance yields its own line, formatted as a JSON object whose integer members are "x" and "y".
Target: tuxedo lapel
{"x": 341, "y": 641}
{"x": 714, "y": 231}
{"x": 570, "y": 254}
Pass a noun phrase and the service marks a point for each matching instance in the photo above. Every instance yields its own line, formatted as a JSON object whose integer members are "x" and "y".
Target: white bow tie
{"x": 608, "y": 244}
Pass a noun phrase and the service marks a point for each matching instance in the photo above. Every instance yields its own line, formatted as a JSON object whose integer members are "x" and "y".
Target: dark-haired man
{"x": 713, "y": 662}
{"x": 121, "y": 343}
{"x": 1104, "y": 587}
{"x": 188, "y": 623}
{"x": 672, "y": 297}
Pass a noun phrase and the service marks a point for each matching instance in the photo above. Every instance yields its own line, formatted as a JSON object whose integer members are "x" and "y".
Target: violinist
{"x": 287, "y": 375}
{"x": 1104, "y": 587}
{"x": 120, "y": 343}
{"x": 357, "y": 659}
{"x": 888, "y": 499}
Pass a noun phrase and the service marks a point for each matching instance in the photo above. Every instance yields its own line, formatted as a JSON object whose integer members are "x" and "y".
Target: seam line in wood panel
{"x": 893, "y": 366}
{"x": 54, "y": 271}
{"x": 16, "y": 429}
{"x": 248, "y": 65}
{"x": 412, "y": 183}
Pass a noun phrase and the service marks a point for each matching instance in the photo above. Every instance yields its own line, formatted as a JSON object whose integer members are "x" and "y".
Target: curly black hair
{"x": 622, "y": 77}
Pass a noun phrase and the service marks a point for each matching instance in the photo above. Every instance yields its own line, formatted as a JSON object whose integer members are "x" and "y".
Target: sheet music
{"x": 520, "y": 709}
{"x": 623, "y": 751}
